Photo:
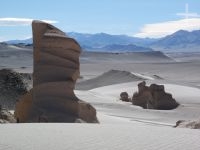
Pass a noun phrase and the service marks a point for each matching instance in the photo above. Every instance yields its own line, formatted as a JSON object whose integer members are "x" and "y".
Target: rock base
{"x": 67, "y": 111}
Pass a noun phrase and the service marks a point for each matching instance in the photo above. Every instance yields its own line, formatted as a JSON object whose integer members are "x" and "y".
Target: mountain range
{"x": 103, "y": 39}
{"x": 179, "y": 41}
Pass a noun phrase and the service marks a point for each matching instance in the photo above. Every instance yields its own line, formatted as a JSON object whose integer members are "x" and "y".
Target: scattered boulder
{"x": 56, "y": 69}
{"x": 188, "y": 124}
{"x": 153, "y": 97}
{"x": 6, "y": 116}
{"x": 124, "y": 97}
{"x": 12, "y": 86}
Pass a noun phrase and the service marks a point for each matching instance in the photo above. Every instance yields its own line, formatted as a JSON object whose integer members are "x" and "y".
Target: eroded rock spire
{"x": 56, "y": 69}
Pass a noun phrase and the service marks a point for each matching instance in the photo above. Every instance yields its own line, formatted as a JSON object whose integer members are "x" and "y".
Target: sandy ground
{"x": 98, "y": 137}
{"x": 106, "y": 101}
{"x": 122, "y": 125}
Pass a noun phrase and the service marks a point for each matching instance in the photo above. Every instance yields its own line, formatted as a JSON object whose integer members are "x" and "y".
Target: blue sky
{"x": 142, "y": 18}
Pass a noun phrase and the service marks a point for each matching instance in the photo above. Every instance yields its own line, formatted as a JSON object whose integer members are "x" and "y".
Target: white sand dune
{"x": 96, "y": 137}
{"x": 144, "y": 77}
{"x": 109, "y": 78}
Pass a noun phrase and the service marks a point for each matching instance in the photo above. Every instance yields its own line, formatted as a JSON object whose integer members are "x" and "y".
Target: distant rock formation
{"x": 12, "y": 86}
{"x": 56, "y": 69}
{"x": 6, "y": 116}
{"x": 153, "y": 97}
{"x": 124, "y": 97}
{"x": 188, "y": 124}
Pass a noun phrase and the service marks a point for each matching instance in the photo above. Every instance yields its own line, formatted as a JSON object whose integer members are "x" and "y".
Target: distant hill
{"x": 124, "y": 48}
{"x": 3, "y": 45}
{"x": 102, "y": 39}
{"x": 179, "y": 41}
{"x": 15, "y": 47}
{"x": 26, "y": 41}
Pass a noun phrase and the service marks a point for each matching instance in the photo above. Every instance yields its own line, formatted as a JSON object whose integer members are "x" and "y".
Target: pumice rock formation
{"x": 153, "y": 97}
{"x": 56, "y": 69}
{"x": 12, "y": 86}
{"x": 188, "y": 124}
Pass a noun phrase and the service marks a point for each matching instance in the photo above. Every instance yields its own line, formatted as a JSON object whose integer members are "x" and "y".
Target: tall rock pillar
{"x": 56, "y": 69}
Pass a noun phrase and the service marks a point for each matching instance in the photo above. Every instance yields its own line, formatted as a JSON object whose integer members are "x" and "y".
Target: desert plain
{"x": 103, "y": 76}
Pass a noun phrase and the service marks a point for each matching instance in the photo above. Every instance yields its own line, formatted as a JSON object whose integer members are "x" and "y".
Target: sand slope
{"x": 98, "y": 137}
{"x": 108, "y": 78}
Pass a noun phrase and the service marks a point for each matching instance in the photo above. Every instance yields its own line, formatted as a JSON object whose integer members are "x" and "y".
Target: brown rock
{"x": 56, "y": 69}
{"x": 6, "y": 116}
{"x": 142, "y": 87}
{"x": 124, "y": 97}
{"x": 23, "y": 107}
{"x": 153, "y": 97}
{"x": 12, "y": 86}
{"x": 188, "y": 124}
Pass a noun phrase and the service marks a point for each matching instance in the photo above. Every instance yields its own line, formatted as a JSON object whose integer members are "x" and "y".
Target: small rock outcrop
{"x": 6, "y": 116}
{"x": 188, "y": 124}
{"x": 12, "y": 86}
{"x": 124, "y": 97}
{"x": 56, "y": 69}
{"x": 153, "y": 97}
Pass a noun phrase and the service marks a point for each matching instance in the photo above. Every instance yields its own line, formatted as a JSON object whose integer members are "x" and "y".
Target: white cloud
{"x": 19, "y": 21}
{"x": 2, "y": 39}
{"x": 187, "y": 15}
{"x": 162, "y": 29}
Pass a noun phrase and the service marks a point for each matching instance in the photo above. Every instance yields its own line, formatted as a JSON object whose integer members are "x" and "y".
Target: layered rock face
{"x": 56, "y": 69}
{"x": 153, "y": 97}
